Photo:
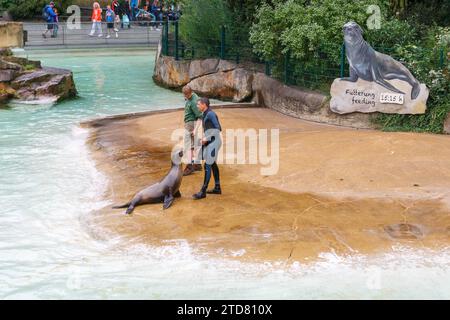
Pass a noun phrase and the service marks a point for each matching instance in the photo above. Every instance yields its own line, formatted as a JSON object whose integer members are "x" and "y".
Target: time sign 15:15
{"x": 396, "y": 98}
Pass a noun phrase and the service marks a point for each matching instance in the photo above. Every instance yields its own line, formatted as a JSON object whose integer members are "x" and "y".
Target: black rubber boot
{"x": 199, "y": 195}
{"x": 216, "y": 190}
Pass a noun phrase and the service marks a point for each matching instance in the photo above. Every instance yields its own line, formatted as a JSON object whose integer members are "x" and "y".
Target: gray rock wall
{"x": 225, "y": 80}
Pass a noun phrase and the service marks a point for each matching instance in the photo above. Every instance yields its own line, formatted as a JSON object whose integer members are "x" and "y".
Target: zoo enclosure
{"x": 316, "y": 71}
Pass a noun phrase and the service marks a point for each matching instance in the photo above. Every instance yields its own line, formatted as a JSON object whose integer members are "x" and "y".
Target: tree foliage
{"x": 21, "y": 9}
{"x": 201, "y": 23}
{"x": 243, "y": 12}
{"x": 304, "y": 26}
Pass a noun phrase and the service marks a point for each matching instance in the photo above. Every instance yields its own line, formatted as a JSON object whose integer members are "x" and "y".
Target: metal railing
{"x": 138, "y": 33}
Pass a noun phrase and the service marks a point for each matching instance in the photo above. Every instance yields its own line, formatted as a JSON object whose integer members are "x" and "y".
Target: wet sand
{"x": 337, "y": 190}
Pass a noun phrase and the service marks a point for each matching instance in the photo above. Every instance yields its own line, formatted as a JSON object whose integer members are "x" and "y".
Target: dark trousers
{"x": 214, "y": 168}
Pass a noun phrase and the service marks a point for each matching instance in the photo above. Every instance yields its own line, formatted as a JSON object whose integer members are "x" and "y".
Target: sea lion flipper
{"x": 126, "y": 205}
{"x": 177, "y": 194}
{"x": 134, "y": 203}
{"x": 353, "y": 76}
{"x": 168, "y": 200}
{"x": 387, "y": 85}
{"x": 130, "y": 210}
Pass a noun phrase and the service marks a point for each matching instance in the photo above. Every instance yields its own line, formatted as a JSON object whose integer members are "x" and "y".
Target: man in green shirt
{"x": 192, "y": 122}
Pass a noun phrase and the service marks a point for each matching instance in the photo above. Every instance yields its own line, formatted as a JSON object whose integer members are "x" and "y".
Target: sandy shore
{"x": 337, "y": 190}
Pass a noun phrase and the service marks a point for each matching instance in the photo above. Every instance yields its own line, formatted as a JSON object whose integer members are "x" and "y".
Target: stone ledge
{"x": 11, "y": 34}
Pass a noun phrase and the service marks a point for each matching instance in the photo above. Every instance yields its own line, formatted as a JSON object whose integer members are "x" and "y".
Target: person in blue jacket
{"x": 134, "y": 8}
{"x": 50, "y": 16}
{"x": 211, "y": 143}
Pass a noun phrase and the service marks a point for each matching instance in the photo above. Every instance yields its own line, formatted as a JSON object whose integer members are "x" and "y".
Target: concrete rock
{"x": 45, "y": 83}
{"x": 447, "y": 124}
{"x": 234, "y": 85}
{"x": 11, "y": 34}
{"x": 364, "y": 96}
{"x": 6, "y": 65}
{"x": 204, "y": 67}
{"x": 7, "y": 75}
{"x": 23, "y": 62}
{"x": 5, "y": 52}
{"x": 170, "y": 73}
{"x": 225, "y": 65}
{"x": 302, "y": 103}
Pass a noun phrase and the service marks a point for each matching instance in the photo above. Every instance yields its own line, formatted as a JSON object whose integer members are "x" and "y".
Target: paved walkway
{"x": 136, "y": 35}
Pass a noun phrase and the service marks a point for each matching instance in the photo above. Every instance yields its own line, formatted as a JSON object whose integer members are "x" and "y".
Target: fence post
{"x": 342, "y": 66}
{"x": 166, "y": 38}
{"x": 267, "y": 69}
{"x": 177, "y": 57}
{"x": 222, "y": 42}
{"x": 286, "y": 67}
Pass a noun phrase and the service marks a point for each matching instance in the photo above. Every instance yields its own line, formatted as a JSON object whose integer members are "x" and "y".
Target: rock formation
{"x": 11, "y": 34}
{"x": 27, "y": 80}
{"x": 366, "y": 96}
{"x": 225, "y": 80}
{"x": 447, "y": 124}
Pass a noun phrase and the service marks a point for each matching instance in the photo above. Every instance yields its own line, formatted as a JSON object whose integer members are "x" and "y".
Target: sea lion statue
{"x": 370, "y": 65}
{"x": 164, "y": 191}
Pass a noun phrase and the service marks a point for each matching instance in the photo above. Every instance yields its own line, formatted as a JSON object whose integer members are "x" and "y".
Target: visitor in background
{"x": 96, "y": 20}
{"x": 48, "y": 14}
{"x": 126, "y": 18}
{"x": 110, "y": 18}
{"x": 117, "y": 8}
{"x": 56, "y": 23}
{"x": 211, "y": 142}
{"x": 192, "y": 122}
{"x": 117, "y": 22}
{"x": 134, "y": 8}
{"x": 156, "y": 10}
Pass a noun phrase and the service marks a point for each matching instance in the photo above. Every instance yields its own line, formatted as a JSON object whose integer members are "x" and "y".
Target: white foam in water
{"x": 42, "y": 101}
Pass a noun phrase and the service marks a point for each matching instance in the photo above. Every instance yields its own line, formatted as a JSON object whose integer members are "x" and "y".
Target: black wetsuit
{"x": 212, "y": 128}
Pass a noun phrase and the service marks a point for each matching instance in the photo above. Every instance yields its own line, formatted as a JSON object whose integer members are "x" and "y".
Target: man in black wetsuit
{"x": 211, "y": 144}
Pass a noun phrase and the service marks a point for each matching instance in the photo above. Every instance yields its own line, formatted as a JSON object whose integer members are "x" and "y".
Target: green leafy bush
{"x": 424, "y": 64}
{"x": 200, "y": 25}
{"x": 22, "y": 9}
{"x": 303, "y": 27}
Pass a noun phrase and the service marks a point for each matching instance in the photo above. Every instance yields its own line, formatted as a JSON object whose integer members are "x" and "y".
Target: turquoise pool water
{"x": 48, "y": 183}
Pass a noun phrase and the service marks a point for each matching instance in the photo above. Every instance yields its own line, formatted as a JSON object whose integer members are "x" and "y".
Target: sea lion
{"x": 164, "y": 191}
{"x": 371, "y": 65}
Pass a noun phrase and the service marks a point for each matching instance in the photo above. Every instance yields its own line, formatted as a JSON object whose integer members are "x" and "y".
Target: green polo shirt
{"x": 191, "y": 112}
